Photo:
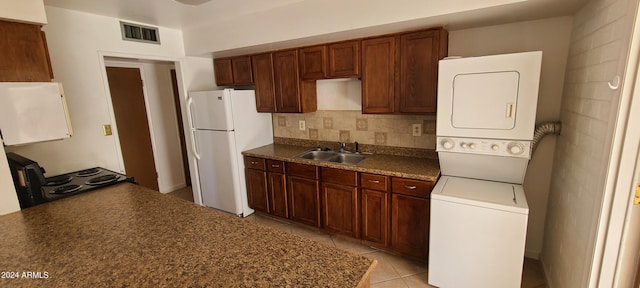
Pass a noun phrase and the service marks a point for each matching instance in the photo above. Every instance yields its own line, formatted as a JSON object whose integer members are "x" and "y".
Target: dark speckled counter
{"x": 128, "y": 236}
{"x": 399, "y": 166}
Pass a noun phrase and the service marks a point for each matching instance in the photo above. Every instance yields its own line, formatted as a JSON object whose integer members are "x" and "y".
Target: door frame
{"x": 179, "y": 63}
{"x": 114, "y": 126}
{"x": 609, "y": 266}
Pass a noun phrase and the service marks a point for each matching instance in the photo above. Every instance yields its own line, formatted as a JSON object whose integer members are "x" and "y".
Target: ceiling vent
{"x": 139, "y": 33}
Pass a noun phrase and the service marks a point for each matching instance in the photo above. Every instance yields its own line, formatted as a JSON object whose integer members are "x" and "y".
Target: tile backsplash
{"x": 350, "y": 125}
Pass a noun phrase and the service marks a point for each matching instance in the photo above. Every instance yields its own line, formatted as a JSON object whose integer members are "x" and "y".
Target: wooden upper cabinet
{"x": 400, "y": 72}
{"x": 291, "y": 94}
{"x": 262, "y": 66}
{"x": 419, "y": 56}
{"x": 233, "y": 71}
{"x": 343, "y": 59}
{"x": 24, "y": 53}
{"x": 378, "y": 75}
{"x": 285, "y": 68}
{"x": 242, "y": 70}
{"x": 312, "y": 62}
{"x": 224, "y": 71}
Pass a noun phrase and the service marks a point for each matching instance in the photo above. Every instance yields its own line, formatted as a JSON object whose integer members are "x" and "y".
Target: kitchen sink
{"x": 351, "y": 159}
{"x": 347, "y": 158}
{"x": 317, "y": 155}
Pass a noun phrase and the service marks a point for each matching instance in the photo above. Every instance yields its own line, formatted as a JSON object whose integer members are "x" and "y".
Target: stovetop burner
{"x": 58, "y": 180}
{"x": 101, "y": 180}
{"x": 66, "y": 189}
{"x": 89, "y": 172}
{"x": 82, "y": 181}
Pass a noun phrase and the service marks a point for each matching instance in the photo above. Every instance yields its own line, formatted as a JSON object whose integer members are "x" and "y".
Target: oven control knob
{"x": 495, "y": 147}
{"x": 515, "y": 148}
{"x": 447, "y": 144}
{"x": 464, "y": 145}
{"x": 472, "y": 145}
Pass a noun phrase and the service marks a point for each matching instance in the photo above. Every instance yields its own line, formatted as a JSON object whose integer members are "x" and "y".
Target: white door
{"x": 218, "y": 170}
{"x": 485, "y": 100}
{"x": 211, "y": 110}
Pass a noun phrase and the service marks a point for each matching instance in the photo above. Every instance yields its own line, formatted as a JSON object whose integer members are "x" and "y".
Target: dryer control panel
{"x": 482, "y": 146}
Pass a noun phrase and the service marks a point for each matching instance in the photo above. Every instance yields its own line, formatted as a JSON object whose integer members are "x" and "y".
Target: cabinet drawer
{"x": 339, "y": 176}
{"x": 254, "y": 163}
{"x": 373, "y": 181}
{"x": 275, "y": 166}
{"x": 411, "y": 187}
{"x": 302, "y": 170}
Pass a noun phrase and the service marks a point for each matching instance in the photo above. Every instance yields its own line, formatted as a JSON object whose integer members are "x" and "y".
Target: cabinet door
{"x": 262, "y": 66}
{"x": 340, "y": 209}
{"x": 24, "y": 53}
{"x": 313, "y": 62}
{"x": 378, "y": 75}
{"x": 242, "y": 70}
{"x": 257, "y": 190}
{"x": 285, "y": 66}
{"x": 304, "y": 200}
{"x": 223, "y": 71}
{"x": 410, "y": 225}
{"x": 278, "y": 193}
{"x": 419, "y": 56}
{"x": 375, "y": 216}
{"x": 343, "y": 59}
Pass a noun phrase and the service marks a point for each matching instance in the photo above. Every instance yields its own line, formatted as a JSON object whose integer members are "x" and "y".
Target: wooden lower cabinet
{"x": 278, "y": 194}
{"x": 375, "y": 216}
{"x": 388, "y": 212}
{"x": 410, "y": 225}
{"x": 257, "y": 195}
{"x": 340, "y": 205}
{"x": 304, "y": 200}
{"x": 340, "y": 209}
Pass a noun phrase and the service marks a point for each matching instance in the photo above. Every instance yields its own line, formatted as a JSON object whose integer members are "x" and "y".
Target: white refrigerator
{"x": 223, "y": 124}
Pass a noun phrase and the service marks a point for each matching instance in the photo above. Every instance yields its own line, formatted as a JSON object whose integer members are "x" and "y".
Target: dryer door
{"x": 472, "y": 108}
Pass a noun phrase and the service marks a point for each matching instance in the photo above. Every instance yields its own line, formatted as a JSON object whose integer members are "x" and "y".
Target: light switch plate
{"x": 416, "y": 129}
{"x": 106, "y": 130}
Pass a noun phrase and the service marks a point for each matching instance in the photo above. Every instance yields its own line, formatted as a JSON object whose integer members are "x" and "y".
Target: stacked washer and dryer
{"x": 485, "y": 126}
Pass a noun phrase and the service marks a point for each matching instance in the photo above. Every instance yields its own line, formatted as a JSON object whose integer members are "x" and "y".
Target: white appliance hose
{"x": 544, "y": 129}
{"x": 193, "y": 130}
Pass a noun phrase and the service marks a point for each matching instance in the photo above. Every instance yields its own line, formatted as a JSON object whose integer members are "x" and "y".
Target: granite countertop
{"x": 400, "y": 166}
{"x": 129, "y": 236}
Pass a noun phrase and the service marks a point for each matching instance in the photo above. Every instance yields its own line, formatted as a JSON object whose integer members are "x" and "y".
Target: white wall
{"x": 76, "y": 42}
{"x": 31, "y": 11}
{"x": 9, "y": 200}
{"x": 598, "y": 51}
{"x": 309, "y": 18}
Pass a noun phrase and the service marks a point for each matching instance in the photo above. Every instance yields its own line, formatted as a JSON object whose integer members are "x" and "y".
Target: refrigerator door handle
{"x": 193, "y": 130}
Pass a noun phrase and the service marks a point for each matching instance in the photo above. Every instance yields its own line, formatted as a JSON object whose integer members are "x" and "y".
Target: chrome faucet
{"x": 342, "y": 145}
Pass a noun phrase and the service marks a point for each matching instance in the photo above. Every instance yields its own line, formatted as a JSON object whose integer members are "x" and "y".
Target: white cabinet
{"x": 33, "y": 112}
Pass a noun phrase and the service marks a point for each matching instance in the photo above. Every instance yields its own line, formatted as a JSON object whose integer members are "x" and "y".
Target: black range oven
{"x": 33, "y": 188}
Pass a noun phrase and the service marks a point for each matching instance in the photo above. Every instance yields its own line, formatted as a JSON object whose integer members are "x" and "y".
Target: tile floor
{"x": 392, "y": 270}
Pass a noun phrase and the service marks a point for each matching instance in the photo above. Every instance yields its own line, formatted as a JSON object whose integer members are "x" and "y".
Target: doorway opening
{"x": 148, "y": 125}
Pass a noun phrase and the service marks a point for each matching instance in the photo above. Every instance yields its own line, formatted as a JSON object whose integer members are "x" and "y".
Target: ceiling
{"x": 171, "y": 14}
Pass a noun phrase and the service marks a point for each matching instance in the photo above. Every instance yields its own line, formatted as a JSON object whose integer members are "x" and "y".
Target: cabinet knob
{"x": 410, "y": 187}
{"x": 373, "y": 181}
{"x": 275, "y": 165}
{"x": 254, "y": 162}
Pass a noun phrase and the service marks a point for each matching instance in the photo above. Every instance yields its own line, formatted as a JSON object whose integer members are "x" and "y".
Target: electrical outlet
{"x": 302, "y": 125}
{"x": 416, "y": 129}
